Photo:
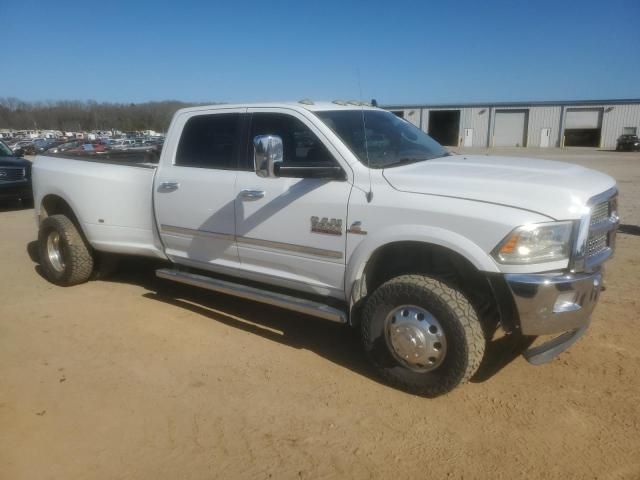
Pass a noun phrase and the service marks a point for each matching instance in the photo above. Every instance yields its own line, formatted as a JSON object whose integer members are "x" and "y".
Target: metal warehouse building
{"x": 589, "y": 123}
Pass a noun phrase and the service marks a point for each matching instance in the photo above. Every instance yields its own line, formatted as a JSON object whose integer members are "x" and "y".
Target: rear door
{"x": 195, "y": 188}
{"x": 291, "y": 231}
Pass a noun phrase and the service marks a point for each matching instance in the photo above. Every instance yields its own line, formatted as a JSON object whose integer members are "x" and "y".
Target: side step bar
{"x": 308, "y": 307}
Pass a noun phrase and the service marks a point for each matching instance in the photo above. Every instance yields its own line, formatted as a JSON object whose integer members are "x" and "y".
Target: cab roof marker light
{"x": 306, "y": 101}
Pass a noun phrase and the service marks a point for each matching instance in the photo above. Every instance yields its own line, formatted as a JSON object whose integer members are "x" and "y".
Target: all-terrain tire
{"x": 76, "y": 255}
{"x": 464, "y": 334}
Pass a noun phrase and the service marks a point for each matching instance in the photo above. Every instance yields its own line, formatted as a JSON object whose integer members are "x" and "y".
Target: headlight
{"x": 535, "y": 243}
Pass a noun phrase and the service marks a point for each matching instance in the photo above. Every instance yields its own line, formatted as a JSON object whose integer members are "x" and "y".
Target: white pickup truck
{"x": 348, "y": 213}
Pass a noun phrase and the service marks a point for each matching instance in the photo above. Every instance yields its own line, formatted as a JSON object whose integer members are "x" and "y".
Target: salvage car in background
{"x": 628, "y": 143}
{"x": 26, "y": 146}
{"x": 15, "y": 175}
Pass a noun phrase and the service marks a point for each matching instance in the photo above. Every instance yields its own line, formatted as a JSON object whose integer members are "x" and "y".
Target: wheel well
{"x": 402, "y": 258}
{"x": 55, "y": 205}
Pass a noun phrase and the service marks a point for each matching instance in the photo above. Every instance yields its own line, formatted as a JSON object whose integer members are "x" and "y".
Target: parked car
{"x": 121, "y": 144}
{"x": 26, "y": 146}
{"x": 426, "y": 252}
{"x": 44, "y": 144}
{"x": 15, "y": 174}
{"x": 63, "y": 147}
{"x": 628, "y": 143}
{"x": 88, "y": 148}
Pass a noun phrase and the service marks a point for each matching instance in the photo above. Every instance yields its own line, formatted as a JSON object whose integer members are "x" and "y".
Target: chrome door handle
{"x": 252, "y": 194}
{"x": 169, "y": 186}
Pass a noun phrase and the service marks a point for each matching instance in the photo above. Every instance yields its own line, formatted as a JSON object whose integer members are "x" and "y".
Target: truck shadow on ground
{"x": 336, "y": 343}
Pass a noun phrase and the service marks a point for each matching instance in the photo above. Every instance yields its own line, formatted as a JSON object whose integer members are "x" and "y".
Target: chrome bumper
{"x": 554, "y": 303}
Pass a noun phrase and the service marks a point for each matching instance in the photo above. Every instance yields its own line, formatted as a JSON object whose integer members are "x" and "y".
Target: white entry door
{"x": 545, "y": 133}
{"x": 468, "y": 137}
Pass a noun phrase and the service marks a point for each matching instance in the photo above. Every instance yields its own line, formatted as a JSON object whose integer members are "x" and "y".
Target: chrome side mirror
{"x": 267, "y": 152}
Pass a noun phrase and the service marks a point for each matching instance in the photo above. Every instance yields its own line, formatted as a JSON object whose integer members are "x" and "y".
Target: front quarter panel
{"x": 469, "y": 228}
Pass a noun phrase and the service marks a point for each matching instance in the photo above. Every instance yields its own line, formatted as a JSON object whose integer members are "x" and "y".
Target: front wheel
{"x": 64, "y": 255}
{"x": 422, "y": 335}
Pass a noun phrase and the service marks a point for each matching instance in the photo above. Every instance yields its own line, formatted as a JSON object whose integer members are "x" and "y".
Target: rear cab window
{"x": 210, "y": 141}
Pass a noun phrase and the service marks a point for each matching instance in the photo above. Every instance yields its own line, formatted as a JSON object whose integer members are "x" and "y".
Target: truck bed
{"x": 111, "y": 197}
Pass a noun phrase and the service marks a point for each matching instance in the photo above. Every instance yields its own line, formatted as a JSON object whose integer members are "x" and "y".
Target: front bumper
{"x": 554, "y": 303}
{"x": 19, "y": 189}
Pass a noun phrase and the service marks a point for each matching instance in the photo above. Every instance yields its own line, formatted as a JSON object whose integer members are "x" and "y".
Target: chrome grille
{"x": 599, "y": 230}
{"x": 10, "y": 174}
{"x": 597, "y": 243}
{"x": 600, "y": 213}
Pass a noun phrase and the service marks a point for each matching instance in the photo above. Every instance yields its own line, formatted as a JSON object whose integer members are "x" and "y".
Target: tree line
{"x": 75, "y": 115}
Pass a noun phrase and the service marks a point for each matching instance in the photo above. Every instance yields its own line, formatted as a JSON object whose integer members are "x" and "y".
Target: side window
{"x": 300, "y": 144}
{"x": 209, "y": 141}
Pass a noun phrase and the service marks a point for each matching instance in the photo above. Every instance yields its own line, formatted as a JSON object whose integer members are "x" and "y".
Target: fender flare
{"x": 453, "y": 241}
{"x": 60, "y": 194}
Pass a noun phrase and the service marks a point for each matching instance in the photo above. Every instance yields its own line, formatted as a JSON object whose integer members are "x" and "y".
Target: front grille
{"x": 10, "y": 174}
{"x": 602, "y": 232}
{"x": 600, "y": 213}
{"x": 597, "y": 243}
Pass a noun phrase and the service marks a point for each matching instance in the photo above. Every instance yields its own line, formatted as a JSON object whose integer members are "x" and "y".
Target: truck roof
{"x": 309, "y": 105}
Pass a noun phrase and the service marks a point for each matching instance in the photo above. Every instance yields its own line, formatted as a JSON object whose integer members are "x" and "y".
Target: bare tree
{"x": 74, "y": 115}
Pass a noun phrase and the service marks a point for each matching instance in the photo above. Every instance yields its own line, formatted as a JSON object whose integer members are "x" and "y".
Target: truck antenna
{"x": 369, "y": 194}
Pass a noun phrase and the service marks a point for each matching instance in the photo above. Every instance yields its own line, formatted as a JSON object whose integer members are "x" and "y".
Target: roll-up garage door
{"x": 582, "y": 127}
{"x": 510, "y": 128}
{"x": 583, "y": 118}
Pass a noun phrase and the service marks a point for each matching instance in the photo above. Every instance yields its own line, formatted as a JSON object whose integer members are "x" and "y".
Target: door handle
{"x": 169, "y": 186}
{"x": 251, "y": 194}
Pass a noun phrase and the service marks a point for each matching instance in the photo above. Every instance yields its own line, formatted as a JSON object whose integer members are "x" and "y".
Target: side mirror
{"x": 267, "y": 153}
{"x": 18, "y": 152}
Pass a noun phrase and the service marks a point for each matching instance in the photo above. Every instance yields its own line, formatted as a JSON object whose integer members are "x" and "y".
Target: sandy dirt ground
{"x": 133, "y": 378}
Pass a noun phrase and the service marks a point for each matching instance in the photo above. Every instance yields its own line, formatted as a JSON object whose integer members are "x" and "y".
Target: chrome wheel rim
{"x": 415, "y": 338}
{"x": 54, "y": 252}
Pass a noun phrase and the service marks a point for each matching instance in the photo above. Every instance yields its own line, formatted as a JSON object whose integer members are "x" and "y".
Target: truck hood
{"x": 555, "y": 189}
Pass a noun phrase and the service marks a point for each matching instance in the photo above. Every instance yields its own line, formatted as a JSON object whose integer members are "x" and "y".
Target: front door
{"x": 468, "y": 137}
{"x": 194, "y": 193}
{"x": 544, "y": 137}
{"x": 291, "y": 231}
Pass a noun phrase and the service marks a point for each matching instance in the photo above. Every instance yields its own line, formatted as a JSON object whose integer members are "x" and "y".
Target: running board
{"x": 300, "y": 305}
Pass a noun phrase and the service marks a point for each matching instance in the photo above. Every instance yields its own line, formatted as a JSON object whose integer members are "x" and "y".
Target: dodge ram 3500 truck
{"x": 351, "y": 214}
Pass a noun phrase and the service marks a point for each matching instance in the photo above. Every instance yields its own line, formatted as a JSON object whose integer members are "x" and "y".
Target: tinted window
{"x": 209, "y": 141}
{"x": 300, "y": 144}
{"x": 5, "y": 151}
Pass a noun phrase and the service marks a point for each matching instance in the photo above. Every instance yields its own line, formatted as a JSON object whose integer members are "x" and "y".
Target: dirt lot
{"x": 134, "y": 378}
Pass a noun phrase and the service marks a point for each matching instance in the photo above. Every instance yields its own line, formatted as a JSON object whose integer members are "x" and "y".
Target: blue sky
{"x": 405, "y": 52}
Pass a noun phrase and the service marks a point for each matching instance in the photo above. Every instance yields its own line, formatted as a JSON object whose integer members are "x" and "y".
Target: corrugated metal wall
{"x": 478, "y": 120}
{"x": 412, "y": 115}
{"x": 613, "y": 121}
{"x": 615, "y": 118}
{"x": 475, "y": 118}
{"x": 544, "y": 117}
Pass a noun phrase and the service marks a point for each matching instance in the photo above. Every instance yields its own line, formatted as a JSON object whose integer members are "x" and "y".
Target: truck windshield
{"x": 389, "y": 141}
{"x": 5, "y": 151}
